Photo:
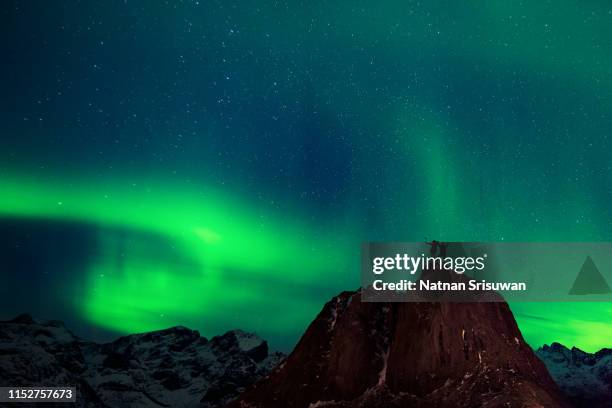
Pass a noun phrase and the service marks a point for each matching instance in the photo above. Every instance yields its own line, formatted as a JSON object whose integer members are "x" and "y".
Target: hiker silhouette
{"x": 434, "y": 247}
{"x": 443, "y": 246}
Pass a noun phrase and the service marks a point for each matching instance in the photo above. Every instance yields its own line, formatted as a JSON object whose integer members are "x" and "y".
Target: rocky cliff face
{"x": 168, "y": 368}
{"x": 357, "y": 354}
{"x": 585, "y": 378}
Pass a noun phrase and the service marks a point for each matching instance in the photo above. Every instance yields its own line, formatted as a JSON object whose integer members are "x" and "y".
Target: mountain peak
{"x": 554, "y": 346}
{"x": 398, "y": 354}
{"x": 240, "y": 341}
{"x": 24, "y": 318}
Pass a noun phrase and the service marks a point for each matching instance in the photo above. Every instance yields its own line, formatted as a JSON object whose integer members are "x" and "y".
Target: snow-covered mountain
{"x": 175, "y": 367}
{"x": 585, "y": 378}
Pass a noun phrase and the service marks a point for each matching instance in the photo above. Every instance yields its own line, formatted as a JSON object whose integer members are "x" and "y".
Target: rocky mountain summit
{"x": 175, "y": 367}
{"x": 360, "y": 354}
{"x": 586, "y": 378}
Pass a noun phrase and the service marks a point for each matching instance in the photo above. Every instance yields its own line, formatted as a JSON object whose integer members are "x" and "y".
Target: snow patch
{"x": 382, "y": 376}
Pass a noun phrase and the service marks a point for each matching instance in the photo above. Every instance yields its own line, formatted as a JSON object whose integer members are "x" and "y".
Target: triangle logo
{"x": 589, "y": 280}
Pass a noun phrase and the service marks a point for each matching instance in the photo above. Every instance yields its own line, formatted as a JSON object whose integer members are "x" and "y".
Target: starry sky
{"x": 217, "y": 164}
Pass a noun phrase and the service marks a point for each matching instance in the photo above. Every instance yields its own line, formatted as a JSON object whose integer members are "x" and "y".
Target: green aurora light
{"x": 147, "y": 289}
{"x": 151, "y": 287}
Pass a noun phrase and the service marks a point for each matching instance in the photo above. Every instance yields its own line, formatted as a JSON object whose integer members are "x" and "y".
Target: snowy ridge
{"x": 586, "y": 378}
{"x": 175, "y": 367}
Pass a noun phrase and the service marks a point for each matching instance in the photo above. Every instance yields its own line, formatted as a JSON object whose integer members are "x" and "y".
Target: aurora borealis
{"x": 184, "y": 147}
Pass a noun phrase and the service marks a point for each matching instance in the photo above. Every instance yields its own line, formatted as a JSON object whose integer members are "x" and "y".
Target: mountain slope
{"x": 358, "y": 354}
{"x": 173, "y": 367}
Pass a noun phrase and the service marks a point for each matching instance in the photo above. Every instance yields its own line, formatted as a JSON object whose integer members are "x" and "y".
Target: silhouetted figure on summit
{"x": 443, "y": 246}
{"x": 434, "y": 247}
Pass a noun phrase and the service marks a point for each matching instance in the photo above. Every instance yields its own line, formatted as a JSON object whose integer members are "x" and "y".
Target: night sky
{"x": 217, "y": 164}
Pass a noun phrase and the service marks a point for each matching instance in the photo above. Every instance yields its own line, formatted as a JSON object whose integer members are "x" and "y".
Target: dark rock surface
{"x": 585, "y": 378}
{"x": 358, "y": 354}
{"x": 175, "y": 367}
